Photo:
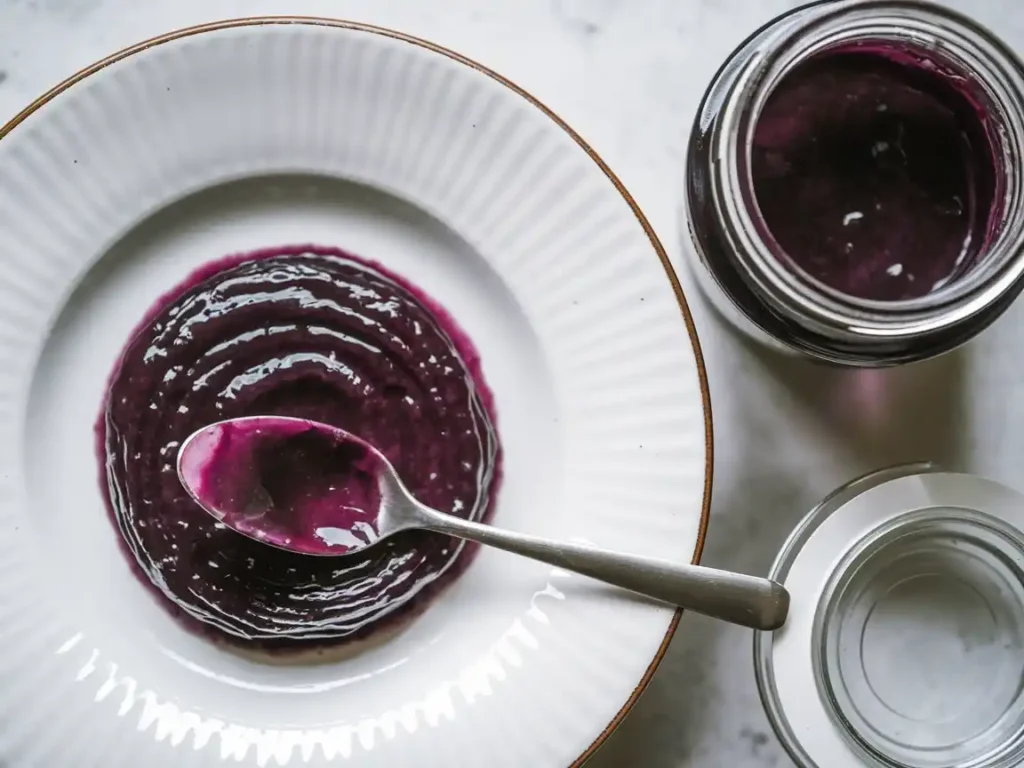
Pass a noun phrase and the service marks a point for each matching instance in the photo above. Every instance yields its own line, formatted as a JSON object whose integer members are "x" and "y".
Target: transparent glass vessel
{"x": 905, "y": 643}
{"x": 741, "y": 268}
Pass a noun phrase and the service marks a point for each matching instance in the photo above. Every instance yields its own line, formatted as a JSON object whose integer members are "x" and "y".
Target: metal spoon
{"x": 216, "y": 465}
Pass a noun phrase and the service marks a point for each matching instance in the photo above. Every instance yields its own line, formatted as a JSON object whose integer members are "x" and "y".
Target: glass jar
{"x": 904, "y": 646}
{"x": 760, "y": 286}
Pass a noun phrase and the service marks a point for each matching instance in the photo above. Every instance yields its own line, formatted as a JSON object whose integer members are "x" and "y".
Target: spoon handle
{"x": 749, "y": 601}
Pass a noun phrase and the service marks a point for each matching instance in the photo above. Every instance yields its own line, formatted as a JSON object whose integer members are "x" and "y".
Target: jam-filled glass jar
{"x": 854, "y": 188}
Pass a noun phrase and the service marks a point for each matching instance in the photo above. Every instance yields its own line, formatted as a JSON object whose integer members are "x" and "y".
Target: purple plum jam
{"x": 311, "y": 333}
{"x": 297, "y": 484}
{"x": 874, "y": 174}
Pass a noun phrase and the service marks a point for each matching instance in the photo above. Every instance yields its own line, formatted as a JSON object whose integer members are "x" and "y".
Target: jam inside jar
{"x": 873, "y": 172}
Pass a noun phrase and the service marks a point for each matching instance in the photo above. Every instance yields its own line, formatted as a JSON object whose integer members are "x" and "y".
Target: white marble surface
{"x": 628, "y": 76}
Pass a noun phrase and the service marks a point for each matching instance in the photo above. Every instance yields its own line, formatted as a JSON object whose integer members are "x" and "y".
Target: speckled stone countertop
{"x": 628, "y": 77}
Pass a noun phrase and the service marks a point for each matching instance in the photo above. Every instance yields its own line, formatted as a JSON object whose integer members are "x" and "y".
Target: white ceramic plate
{"x": 260, "y": 132}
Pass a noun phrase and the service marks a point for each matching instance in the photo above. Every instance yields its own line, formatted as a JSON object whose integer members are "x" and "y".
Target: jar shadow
{"x": 911, "y": 413}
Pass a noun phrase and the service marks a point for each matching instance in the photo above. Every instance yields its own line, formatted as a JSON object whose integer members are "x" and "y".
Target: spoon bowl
{"x": 294, "y": 484}
{"x": 318, "y": 490}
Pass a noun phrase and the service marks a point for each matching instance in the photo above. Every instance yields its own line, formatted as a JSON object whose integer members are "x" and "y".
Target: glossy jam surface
{"x": 310, "y": 333}
{"x": 297, "y": 484}
{"x": 874, "y": 174}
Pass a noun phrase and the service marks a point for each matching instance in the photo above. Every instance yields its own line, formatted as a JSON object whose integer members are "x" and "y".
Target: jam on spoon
{"x": 315, "y": 489}
{"x": 290, "y": 482}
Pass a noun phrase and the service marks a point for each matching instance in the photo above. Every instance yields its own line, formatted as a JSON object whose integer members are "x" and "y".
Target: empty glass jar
{"x": 904, "y": 646}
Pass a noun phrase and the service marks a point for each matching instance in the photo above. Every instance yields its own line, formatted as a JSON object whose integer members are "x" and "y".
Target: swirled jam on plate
{"x": 313, "y": 333}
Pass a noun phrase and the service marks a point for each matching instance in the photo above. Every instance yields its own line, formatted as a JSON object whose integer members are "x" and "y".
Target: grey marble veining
{"x": 628, "y": 77}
